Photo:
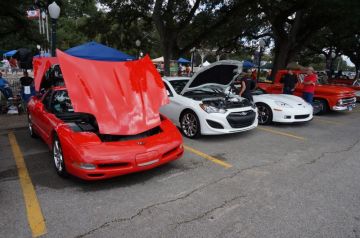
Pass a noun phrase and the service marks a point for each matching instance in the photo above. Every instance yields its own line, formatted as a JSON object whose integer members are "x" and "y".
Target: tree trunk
{"x": 281, "y": 59}
{"x": 167, "y": 57}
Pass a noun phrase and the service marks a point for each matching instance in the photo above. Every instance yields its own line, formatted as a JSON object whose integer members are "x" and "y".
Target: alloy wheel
{"x": 189, "y": 124}
{"x": 58, "y": 157}
{"x": 264, "y": 114}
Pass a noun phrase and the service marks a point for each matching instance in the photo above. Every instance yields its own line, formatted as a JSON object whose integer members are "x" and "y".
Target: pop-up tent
{"x": 206, "y": 63}
{"x": 10, "y": 53}
{"x": 95, "y": 51}
{"x": 248, "y": 64}
{"x": 158, "y": 60}
{"x": 183, "y": 61}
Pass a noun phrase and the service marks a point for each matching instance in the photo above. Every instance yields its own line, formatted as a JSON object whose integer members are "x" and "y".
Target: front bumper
{"x": 114, "y": 158}
{"x": 291, "y": 115}
{"x": 107, "y": 168}
{"x": 344, "y": 104}
{"x": 344, "y": 107}
{"x": 228, "y": 126}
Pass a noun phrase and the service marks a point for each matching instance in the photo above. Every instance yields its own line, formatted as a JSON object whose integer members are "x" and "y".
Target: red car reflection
{"x": 92, "y": 149}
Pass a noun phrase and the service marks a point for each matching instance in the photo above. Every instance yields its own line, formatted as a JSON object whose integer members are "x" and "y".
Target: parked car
{"x": 350, "y": 83}
{"x": 200, "y": 106}
{"x": 105, "y": 122}
{"x": 329, "y": 97}
{"x": 281, "y": 108}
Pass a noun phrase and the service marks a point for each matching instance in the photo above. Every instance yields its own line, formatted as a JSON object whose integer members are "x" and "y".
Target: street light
{"x": 54, "y": 12}
{"x": 261, "y": 45}
{"x": 192, "y": 51}
{"x": 138, "y": 44}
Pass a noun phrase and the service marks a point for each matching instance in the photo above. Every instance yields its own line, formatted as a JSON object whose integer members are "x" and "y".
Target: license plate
{"x": 350, "y": 108}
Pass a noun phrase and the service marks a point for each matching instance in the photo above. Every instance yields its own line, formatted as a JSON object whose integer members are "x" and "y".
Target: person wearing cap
{"x": 289, "y": 80}
{"x": 309, "y": 85}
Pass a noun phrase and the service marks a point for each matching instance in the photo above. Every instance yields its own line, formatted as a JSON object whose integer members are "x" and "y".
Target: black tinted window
{"x": 178, "y": 85}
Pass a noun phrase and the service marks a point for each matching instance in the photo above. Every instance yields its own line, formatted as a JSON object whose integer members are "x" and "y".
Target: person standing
{"x": 289, "y": 80}
{"x": 27, "y": 87}
{"x": 246, "y": 83}
{"x": 309, "y": 85}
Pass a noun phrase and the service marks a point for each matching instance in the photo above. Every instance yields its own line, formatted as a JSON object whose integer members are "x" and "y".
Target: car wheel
{"x": 31, "y": 127}
{"x": 265, "y": 114}
{"x": 190, "y": 124}
{"x": 323, "y": 106}
{"x": 58, "y": 158}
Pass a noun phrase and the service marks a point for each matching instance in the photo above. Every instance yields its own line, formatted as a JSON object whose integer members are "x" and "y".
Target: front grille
{"x": 346, "y": 101}
{"x": 302, "y": 116}
{"x": 241, "y": 119}
{"x": 113, "y": 165}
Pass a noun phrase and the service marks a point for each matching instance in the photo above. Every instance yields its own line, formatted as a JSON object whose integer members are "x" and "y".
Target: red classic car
{"x": 350, "y": 83}
{"x": 105, "y": 122}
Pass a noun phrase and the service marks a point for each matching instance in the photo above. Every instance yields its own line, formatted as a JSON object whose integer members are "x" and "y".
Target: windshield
{"x": 62, "y": 103}
{"x": 178, "y": 85}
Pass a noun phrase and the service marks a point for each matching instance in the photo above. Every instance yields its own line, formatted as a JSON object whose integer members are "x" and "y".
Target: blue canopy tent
{"x": 183, "y": 61}
{"x": 45, "y": 55}
{"x": 248, "y": 64}
{"x": 95, "y": 51}
{"x": 10, "y": 53}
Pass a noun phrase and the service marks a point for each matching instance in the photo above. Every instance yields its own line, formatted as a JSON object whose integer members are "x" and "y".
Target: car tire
{"x": 323, "y": 105}
{"x": 58, "y": 158}
{"x": 190, "y": 124}
{"x": 265, "y": 114}
{"x": 31, "y": 127}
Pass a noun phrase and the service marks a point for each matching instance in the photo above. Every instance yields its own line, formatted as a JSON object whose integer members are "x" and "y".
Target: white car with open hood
{"x": 199, "y": 106}
{"x": 281, "y": 108}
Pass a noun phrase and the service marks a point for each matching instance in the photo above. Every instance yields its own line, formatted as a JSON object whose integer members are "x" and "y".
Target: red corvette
{"x": 105, "y": 122}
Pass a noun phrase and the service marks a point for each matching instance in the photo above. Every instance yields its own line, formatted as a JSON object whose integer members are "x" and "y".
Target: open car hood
{"x": 221, "y": 73}
{"x": 124, "y": 97}
{"x": 41, "y": 65}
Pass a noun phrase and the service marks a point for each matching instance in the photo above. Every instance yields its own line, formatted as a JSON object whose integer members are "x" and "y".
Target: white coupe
{"x": 198, "y": 105}
{"x": 281, "y": 108}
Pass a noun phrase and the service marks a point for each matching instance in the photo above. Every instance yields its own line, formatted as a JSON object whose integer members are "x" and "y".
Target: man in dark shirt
{"x": 26, "y": 80}
{"x": 289, "y": 80}
{"x": 246, "y": 84}
{"x": 27, "y": 87}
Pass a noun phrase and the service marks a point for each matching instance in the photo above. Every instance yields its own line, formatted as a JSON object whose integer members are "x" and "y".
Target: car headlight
{"x": 211, "y": 109}
{"x": 283, "y": 104}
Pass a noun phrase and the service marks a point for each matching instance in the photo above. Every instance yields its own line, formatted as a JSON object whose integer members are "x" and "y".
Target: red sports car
{"x": 105, "y": 122}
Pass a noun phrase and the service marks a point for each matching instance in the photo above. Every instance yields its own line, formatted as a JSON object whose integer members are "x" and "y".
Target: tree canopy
{"x": 294, "y": 29}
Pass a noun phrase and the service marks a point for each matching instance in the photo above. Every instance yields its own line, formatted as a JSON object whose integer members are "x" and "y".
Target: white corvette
{"x": 281, "y": 108}
{"x": 198, "y": 105}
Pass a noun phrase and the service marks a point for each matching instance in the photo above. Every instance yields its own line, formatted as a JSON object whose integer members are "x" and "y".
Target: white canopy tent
{"x": 158, "y": 60}
{"x": 206, "y": 63}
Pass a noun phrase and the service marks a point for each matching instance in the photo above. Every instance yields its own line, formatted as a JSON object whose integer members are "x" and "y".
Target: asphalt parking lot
{"x": 299, "y": 180}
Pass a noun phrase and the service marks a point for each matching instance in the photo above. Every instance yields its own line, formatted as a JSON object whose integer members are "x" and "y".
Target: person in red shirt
{"x": 309, "y": 85}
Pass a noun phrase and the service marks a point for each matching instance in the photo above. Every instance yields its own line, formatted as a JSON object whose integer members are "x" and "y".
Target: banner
{"x": 33, "y": 14}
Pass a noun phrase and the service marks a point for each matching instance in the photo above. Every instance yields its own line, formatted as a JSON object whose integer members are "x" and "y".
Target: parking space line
{"x": 328, "y": 121}
{"x": 208, "y": 157}
{"x": 281, "y": 133}
{"x": 33, "y": 209}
